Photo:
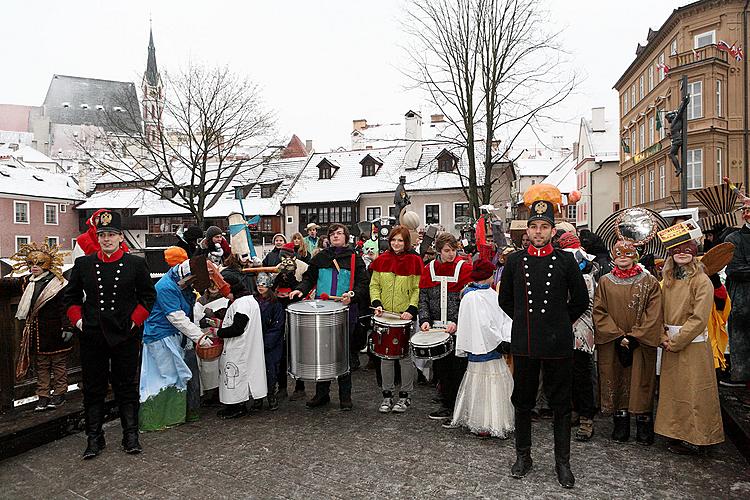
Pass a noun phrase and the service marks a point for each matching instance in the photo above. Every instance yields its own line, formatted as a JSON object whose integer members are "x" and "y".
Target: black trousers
{"x": 449, "y": 371}
{"x": 583, "y": 384}
{"x": 558, "y": 382}
{"x": 102, "y": 365}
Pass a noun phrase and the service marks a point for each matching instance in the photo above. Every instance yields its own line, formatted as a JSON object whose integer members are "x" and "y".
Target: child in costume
{"x": 273, "y": 318}
{"x": 483, "y": 404}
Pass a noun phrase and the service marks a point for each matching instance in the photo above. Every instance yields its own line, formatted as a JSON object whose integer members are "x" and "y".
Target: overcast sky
{"x": 321, "y": 63}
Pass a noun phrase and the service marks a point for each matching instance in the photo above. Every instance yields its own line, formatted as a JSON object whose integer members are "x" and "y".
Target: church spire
{"x": 152, "y": 73}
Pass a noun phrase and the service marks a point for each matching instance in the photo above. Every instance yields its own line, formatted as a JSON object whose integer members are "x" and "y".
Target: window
{"x": 719, "y": 112}
{"x": 651, "y": 130}
{"x": 324, "y": 172}
{"x": 53, "y": 240}
{"x": 632, "y": 142}
{"x": 661, "y": 123}
{"x": 373, "y": 213}
{"x": 73, "y": 243}
{"x": 460, "y": 210}
{"x": 432, "y": 214}
{"x": 21, "y": 210}
{"x": 695, "y": 106}
{"x": 290, "y": 219}
{"x": 391, "y": 211}
{"x": 642, "y": 137}
{"x": 266, "y": 224}
{"x": 651, "y": 78}
{"x": 661, "y": 66}
{"x": 571, "y": 211}
{"x": 63, "y": 208}
{"x": 626, "y": 196}
{"x": 695, "y": 168}
{"x": 369, "y": 167}
{"x": 168, "y": 193}
{"x": 267, "y": 190}
{"x": 703, "y": 39}
{"x": 642, "y": 187}
{"x": 651, "y": 185}
{"x": 632, "y": 96}
{"x": 615, "y": 206}
{"x": 662, "y": 182}
{"x": 446, "y": 163}
{"x": 625, "y": 103}
{"x": 632, "y": 190}
{"x": 719, "y": 166}
{"x": 641, "y": 86}
{"x": 673, "y": 48}
{"x": 50, "y": 213}
{"x": 22, "y": 240}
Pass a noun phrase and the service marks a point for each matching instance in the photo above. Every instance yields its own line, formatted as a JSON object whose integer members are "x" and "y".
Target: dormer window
{"x": 241, "y": 192}
{"x": 66, "y": 105}
{"x": 84, "y": 106}
{"x": 370, "y": 165}
{"x": 167, "y": 193}
{"x": 267, "y": 190}
{"x": 447, "y": 161}
{"x": 326, "y": 169}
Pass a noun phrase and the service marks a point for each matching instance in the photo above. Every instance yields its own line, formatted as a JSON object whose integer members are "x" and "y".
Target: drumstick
{"x": 260, "y": 270}
{"x": 325, "y": 296}
{"x": 389, "y": 313}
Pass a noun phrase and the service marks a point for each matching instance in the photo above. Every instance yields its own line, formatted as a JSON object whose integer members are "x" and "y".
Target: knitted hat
{"x": 482, "y": 270}
{"x": 213, "y": 231}
{"x": 175, "y": 255}
{"x": 287, "y": 250}
{"x": 279, "y": 234}
{"x": 569, "y": 240}
{"x": 192, "y": 233}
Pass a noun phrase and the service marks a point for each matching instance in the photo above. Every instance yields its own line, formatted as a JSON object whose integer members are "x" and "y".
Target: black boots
{"x": 129, "y": 421}
{"x": 621, "y": 431}
{"x": 94, "y": 416}
{"x": 523, "y": 445}
{"x": 562, "y": 449}
{"x": 644, "y": 427}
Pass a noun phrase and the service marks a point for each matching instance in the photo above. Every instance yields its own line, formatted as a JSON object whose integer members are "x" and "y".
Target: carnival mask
{"x": 689, "y": 247}
{"x": 47, "y": 257}
{"x": 288, "y": 264}
{"x": 624, "y": 249}
{"x": 40, "y": 259}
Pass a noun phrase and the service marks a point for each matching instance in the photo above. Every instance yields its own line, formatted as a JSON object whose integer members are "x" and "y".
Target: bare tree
{"x": 494, "y": 69}
{"x": 213, "y": 129}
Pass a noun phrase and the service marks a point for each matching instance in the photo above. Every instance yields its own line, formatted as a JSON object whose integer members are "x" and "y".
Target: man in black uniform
{"x": 109, "y": 296}
{"x": 543, "y": 291}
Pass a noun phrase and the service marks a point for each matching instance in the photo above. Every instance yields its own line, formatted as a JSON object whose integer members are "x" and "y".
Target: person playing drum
{"x": 439, "y": 294}
{"x": 394, "y": 288}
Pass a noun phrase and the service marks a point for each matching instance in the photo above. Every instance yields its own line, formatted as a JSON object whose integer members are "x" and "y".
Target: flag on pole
{"x": 658, "y": 119}
{"x": 625, "y": 147}
{"x": 665, "y": 68}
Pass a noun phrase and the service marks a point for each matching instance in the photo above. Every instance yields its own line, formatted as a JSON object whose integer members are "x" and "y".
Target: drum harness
{"x": 444, "y": 280}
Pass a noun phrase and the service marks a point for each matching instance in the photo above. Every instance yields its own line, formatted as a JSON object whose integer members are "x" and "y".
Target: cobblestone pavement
{"x": 325, "y": 453}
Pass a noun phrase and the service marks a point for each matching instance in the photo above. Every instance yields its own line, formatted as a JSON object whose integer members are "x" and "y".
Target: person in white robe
{"x": 483, "y": 404}
{"x": 242, "y": 366}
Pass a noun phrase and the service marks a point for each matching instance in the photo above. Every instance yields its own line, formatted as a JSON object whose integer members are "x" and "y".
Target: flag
{"x": 663, "y": 67}
{"x": 625, "y": 147}
{"x": 739, "y": 55}
{"x": 658, "y": 119}
{"x": 723, "y": 46}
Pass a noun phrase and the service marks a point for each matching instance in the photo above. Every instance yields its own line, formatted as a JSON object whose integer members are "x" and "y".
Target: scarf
{"x": 627, "y": 273}
{"x": 24, "y": 306}
{"x": 403, "y": 264}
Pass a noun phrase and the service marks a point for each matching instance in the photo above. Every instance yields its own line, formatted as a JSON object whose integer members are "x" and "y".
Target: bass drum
{"x": 317, "y": 336}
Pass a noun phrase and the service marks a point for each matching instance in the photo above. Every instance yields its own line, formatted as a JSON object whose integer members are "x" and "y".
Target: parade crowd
{"x": 553, "y": 324}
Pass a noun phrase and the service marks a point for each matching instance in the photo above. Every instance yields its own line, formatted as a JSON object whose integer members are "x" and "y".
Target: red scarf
{"x": 403, "y": 264}
{"x": 113, "y": 258}
{"x": 447, "y": 269}
{"x": 627, "y": 273}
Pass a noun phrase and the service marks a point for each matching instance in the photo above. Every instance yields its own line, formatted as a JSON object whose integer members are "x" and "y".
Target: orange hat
{"x": 175, "y": 255}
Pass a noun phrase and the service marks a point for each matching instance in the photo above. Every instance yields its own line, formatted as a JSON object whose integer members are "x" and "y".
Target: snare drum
{"x": 431, "y": 345}
{"x": 390, "y": 337}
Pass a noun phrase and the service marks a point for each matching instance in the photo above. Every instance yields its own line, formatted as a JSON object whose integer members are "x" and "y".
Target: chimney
{"x": 597, "y": 120}
{"x": 437, "y": 118}
{"x": 358, "y": 139}
{"x": 13, "y": 147}
{"x": 359, "y": 124}
{"x": 308, "y": 145}
{"x": 557, "y": 143}
{"x": 413, "y": 139}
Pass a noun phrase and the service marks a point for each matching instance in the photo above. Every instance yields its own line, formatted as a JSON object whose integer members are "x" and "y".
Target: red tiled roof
{"x": 295, "y": 149}
{"x": 14, "y": 117}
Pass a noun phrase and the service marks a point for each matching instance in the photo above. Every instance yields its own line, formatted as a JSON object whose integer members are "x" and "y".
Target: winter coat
{"x": 273, "y": 258}
{"x": 394, "y": 283}
{"x": 273, "y": 319}
{"x": 429, "y": 291}
{"x": 544, "y": 295}
{"x": 322, "y": 275}
{"x": 738, "y": 286}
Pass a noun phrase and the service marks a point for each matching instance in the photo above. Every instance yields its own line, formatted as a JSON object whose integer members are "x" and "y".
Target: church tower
{"x": 153, "y": 95}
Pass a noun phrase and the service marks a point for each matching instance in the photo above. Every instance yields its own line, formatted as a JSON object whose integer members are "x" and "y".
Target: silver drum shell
{"x": 317, "y": 342}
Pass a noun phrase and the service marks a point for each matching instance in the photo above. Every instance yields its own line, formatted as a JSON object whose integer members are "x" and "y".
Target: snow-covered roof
{"x": 536, "y": 167}
{"x": 39, "y": 183}
{"x": 24, "y": 154}
{"x": 563, "y": 175}
{"x": 118, "y": 199}
{"x": 347, "y": 182}
{"x": 605, "y": 145}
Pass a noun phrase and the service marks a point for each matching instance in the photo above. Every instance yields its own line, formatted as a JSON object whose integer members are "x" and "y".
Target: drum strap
{"x": 444, "y": 280}
{"x": 351, "y": 272}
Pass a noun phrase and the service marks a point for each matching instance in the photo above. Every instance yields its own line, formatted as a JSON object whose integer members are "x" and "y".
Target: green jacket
{"x": 394, "y": 284}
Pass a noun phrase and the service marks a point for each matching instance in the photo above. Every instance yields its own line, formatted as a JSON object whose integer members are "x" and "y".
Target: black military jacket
{"x": 543, "y": 294}
{"x": 117, "y": 293}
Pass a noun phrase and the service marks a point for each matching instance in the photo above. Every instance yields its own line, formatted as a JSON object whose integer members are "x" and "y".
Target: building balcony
{"x": 707, "y": 54}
